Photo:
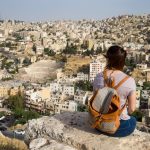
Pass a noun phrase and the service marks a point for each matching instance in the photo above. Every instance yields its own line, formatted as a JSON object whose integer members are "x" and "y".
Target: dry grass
{"x": 11, "y": 144}
{"x": 18, "y": 126}
{"x": 74, "y": 62}
{"x": 138, "y": 74}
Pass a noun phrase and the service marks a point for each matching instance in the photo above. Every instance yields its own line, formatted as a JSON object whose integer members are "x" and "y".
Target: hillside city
{"x": 49, "y": 67}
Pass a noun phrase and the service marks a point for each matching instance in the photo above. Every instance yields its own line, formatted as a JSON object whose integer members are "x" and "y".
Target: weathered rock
{"x": 57, "y": 146}
{"x": 143, "y": 128}
{"x": 37, "y": 143}
{"x": 1, "y": 134}
{"x": 74, "y": 130}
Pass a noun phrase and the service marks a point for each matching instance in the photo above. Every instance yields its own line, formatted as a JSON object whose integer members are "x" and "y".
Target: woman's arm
{"x": 98, "y": 82}
{"x": 132, "y": 102}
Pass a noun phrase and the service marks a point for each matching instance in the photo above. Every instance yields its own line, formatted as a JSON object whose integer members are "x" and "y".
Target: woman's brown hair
{"x": 115, "y": 57}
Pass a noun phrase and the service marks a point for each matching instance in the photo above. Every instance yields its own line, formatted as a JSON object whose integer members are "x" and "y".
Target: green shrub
{"x": 82, "y": 108}
{"x": 84, "y": 85}
{"x": 138, "y": 115}
{"x": 23, "y": 116}
{"x": 146, "y": 85}
{"x": 2, "y": 114}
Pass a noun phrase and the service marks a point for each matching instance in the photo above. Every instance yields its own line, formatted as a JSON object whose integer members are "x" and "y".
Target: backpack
{"x": 104, "y": 106}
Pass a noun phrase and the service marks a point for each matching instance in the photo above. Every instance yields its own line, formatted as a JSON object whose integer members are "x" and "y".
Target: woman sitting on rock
{"x": 127, "y": 91}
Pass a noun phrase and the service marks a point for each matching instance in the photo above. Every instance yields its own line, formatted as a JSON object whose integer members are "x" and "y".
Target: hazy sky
{"x": 36, "y": 10}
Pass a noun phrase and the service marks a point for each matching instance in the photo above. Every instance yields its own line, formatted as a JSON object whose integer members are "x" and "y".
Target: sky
{"x": 46, "y": 10}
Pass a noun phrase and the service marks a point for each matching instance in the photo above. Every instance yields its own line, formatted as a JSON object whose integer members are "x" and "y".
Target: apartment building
{"x": 82, "y": 76}
{"x": 81, "y": 97}
{"x": 141, "y": 66}
{"x": 95, "y": 68}
{"x": 68, "y": 89}
{"x": 37, "y": 100}
{"x": 8, "y": 88}
{"x": 56, "y": 87}
{"x": 69, "y": 105}
{"x": 64, "y": 88}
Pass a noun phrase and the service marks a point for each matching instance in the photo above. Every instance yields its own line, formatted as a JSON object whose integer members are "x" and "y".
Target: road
{"x": 8, "y": 121}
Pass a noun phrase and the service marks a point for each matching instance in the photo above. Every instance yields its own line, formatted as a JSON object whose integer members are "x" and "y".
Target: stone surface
{"x": 37, "y": 143}
{"x": 1, "y": 134}
{"x": 143, "y": 128}
{"x": 53, "y": 145}
{"x": 73, "y": 129}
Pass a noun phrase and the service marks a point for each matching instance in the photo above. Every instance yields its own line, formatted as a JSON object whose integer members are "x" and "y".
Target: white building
{"x": 138, "y": 95}
{"x": 145, "y": 94}
{"x": 63, "y": 88}
{"x": 4, "y": 74}
{"x": 37, "y": 100}
{"x": 2, "y": 37}
{"x": 66, "y": 106}
{"x": 82, "y": 76}
{"x": 68, "y": 89}
{"x": 1, "y": 103}
{"x": 81, "y": 97}
{"x": 141, "y": 66}
{"x": 58, "y": 97}
{"x": 95, "y": 68}
{"x": 56, "y": 87}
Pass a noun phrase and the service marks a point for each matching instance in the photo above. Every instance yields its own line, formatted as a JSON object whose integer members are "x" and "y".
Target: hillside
{"x": 75, "y": 62}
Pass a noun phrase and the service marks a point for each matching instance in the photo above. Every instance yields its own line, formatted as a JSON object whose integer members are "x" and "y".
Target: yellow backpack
{"x": 104, "y": 107}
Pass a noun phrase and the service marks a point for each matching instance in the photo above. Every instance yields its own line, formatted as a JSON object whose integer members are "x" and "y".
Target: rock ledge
{"x": 71, "y": 131}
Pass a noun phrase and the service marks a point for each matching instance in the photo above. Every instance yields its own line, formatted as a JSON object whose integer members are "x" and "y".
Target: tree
{"x": 64, "y": 59}
{"x": 82, "y": 108}
{"x": 23, "y": 116}
{"x": 3, "y": 63}
{"x": 127, "y": 62}
{"x": 49, "y": 52}
{"x": 146, "y": 85}
{"x": 85, "y": 69}
{"x": 87, "y": 53}
{"x": 15, "y": 102}
{"x": 34, "y": 48}
{"x": 2, "y": 114}
{"x": 70, "y": 49}
{"x": 98, "y": 51}
{"x": 26, "y": 61}
{"x": 84, "y": 85}
{"x": 8, "y": 44}
{"x": 84, "y": 46}
{"x": 18, "y": 37}
{"x": 17, "y": 70}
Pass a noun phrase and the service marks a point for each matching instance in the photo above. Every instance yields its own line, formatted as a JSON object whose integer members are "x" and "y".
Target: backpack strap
{"x": 116, "y": 87}
{"x": 106, "y": 83}
{"x": 105, "y": 76}
{"x": 120, "y": 83}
